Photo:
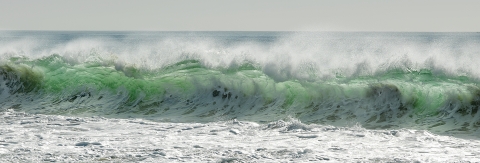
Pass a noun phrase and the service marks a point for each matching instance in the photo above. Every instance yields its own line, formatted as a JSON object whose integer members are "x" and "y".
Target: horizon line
{"x": 360, "y": 31}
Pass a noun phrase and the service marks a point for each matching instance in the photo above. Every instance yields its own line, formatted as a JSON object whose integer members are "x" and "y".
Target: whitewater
{"x": 92, "y": 96}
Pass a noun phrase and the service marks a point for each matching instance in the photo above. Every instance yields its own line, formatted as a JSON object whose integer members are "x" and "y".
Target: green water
{"x": 190, "y": 91}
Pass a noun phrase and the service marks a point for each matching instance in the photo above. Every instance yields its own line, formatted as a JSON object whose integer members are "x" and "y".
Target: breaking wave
{"x": 390, "y": 81}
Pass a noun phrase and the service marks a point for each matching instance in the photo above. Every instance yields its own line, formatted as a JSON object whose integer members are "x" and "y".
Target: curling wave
{"x": 387, "y": 80}
{"x": 189, "y": 91}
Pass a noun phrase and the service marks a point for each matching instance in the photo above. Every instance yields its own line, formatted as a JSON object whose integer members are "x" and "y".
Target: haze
{"x": 245, "y": 15}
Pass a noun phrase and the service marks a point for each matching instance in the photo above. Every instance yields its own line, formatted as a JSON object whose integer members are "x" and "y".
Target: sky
{"x": 242, "y": 15}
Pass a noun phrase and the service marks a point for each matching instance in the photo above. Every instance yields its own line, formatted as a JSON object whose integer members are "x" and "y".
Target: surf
{"x": 337, "y": 79}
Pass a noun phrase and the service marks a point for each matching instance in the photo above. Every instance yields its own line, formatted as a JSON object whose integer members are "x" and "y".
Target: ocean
{"x": 218, "y": 96}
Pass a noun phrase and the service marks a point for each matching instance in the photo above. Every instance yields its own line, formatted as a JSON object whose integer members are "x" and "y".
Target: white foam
{"x": 37, "y": 138}
{"x": 293, "y": 55}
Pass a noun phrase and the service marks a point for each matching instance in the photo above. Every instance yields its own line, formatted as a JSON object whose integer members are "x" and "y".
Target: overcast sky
{"x": 242, "y": 15}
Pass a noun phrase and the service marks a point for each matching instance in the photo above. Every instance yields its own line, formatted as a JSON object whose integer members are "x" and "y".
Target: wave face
{"x": 379, "y": 80}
